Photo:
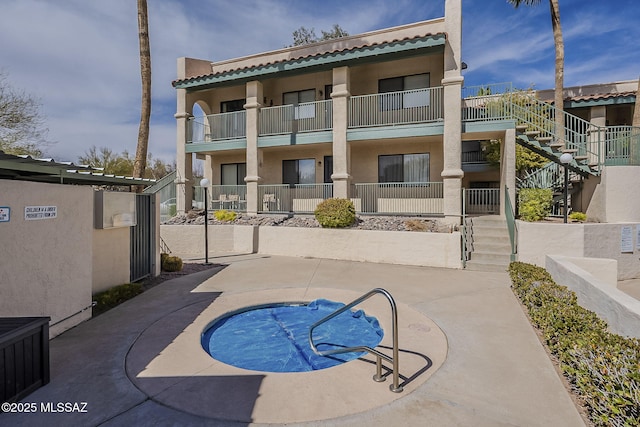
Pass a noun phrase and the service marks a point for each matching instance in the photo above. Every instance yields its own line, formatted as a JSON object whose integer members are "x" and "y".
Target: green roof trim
{"x": 387, "y": 51}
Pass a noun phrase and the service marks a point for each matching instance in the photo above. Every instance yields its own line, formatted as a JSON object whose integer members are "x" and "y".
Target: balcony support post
{"x": 341, "y": 150}
{"x": 254, "y": 155}
{"x": 184, "y": 160}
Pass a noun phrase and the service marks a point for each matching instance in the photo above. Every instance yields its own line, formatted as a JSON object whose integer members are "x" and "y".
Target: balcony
{"x": 386, "y": 109}
{"x": 217, "y": 127}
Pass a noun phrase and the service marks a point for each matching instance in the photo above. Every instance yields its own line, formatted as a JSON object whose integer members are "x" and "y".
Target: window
{"x": 233, "y": 173}
{"x": 295, "y": 98}
{"x": 405, "y": 100}
{"x": 403, "y": 168}
{"x": 231, "y": 106}
{"x": 301, "y": 171}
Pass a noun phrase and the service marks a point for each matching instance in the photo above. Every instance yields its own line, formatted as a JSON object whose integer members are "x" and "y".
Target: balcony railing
{"x": 399, "y": 198}
{"x": 299, "y": 198}
{"x": 474, "y": 157}
{"x": 304, "y": 117}
{"x": 622, "y": 146}
{"x": 227, "y": 197}
{"x": 217, "y": 127}
{"x": 482, "y": 200}
{"x": 394, "y": 108}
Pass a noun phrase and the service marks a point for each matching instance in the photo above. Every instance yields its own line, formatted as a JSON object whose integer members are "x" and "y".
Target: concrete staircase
{"x": 489, "y": 243}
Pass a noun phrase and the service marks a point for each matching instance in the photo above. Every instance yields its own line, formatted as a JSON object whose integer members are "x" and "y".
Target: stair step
{"x": 544, "y": 139}
{"x": 492, "y": 247}
{"x": 491, "y": 258}
{"x": 533, "y": 133}
{"x": 521, "y": 128}
{"x": 580, "y": 158}
{"x": 475, "y": 266}
{"x": 556, "y": 145}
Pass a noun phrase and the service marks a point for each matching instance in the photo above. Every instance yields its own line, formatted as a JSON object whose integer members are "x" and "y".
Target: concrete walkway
{"x": 493, "y": 373}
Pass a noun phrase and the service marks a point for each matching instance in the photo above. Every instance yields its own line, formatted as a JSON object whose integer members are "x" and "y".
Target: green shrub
{"x": 114, "y": 296}
{"x": 224, "y": 215}
{"x": 535, "y": 203}
{"x": 603, "y": 368}
{"x": 578, "y": 216}
{"x": 171, "y": 263}
{"x": 335, "y": 213}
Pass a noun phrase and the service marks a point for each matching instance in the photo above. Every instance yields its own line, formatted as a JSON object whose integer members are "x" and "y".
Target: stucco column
{"x": 597, "y": 133}
{"x": 184, "y": 160}
{"x": 254, "y": 161}
{"x": 341, "y": 149}
{"x": 452, "y": 140}
{"x": 508, "y": 170}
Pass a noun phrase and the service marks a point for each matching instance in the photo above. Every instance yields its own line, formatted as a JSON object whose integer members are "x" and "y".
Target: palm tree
{"x": 140, "y": 162}
{"x": 559, "y": 48}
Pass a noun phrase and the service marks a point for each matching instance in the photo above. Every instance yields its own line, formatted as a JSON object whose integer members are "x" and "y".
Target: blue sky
{"x": 80, "y": 58}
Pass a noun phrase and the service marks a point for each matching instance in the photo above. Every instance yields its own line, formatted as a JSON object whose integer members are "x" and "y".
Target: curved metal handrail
{"x": 395, "y": 387}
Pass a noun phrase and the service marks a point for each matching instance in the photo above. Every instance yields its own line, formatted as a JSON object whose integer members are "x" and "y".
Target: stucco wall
{"x": 615, "y": 198}
{"x": 188, "y": 240}
{"x": 536, "y": 240}
{"x": 425, "y": 249}
{"x": 110, "y": 258}
{"x": 619, "y": 310}
{"x": 46, "y": 267}
{"x": 393, "y": 247}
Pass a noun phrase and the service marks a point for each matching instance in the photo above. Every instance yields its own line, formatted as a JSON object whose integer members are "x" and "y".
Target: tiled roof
{"x": 600, "y": 96}
{"x": 298, "y": 53}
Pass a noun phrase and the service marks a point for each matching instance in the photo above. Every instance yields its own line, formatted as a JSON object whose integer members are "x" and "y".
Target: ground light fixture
{"x": 565, "y": 159}
{"x": 204, "y": 183}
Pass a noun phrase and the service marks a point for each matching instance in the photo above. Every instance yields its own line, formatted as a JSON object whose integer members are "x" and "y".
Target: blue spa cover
{"x": 275, "y": 339}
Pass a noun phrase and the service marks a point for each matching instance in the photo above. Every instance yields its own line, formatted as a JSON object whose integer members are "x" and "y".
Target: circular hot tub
{"x": 274, "y": 338}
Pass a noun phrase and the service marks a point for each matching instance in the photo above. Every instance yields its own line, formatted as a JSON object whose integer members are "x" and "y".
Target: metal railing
{"x": 217, "y": 127}
{"x": 511, "y": 222}
{"x": 482, "y": 200}
{"x": 473, "y": 157}
{"x": 394, "y": 360}
{"x": 399, "y": 198}
{"x": 298, "y": 198}
{"x": 393, "y": 108}
{"x": 304, "y": 117}
{"x": 222, "y": 197}
{"x": 622, "y": 146}
{"x": 488, "y": 102}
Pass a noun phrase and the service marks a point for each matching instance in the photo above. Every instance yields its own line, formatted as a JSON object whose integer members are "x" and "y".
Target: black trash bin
{"x": 24, "y": 356}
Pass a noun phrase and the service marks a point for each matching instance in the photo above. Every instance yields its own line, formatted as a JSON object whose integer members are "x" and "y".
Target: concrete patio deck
{"x": 488, "y": 367}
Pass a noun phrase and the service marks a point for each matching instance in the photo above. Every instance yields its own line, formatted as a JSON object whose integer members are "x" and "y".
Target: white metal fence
{"x": 404, "y": 107}
{"x": 482, "y": 201}
{"x": 304, "y": 117}
{"x": 217, "y": 127}
{"x": 399, "y": 198}
{"x": 299, "y": 198}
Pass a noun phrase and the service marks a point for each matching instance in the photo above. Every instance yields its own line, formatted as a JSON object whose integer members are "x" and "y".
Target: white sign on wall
{"x": 626, "y": 238}
{"x": 40, "y": 212}
{"x": 5, "y": 213}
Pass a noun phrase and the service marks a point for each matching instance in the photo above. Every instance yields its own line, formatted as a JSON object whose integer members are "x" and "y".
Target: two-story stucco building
{"x": 382, "y": 118}
{"x": 375, "y": 117}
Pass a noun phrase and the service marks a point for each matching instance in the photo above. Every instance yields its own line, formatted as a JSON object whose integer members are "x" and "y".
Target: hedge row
{"x": 603, "y": 368}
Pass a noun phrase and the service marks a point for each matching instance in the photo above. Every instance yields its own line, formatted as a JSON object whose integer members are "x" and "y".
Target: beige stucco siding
{"x": 364, "y": 156}
{"x": 364, "y": 78}
{"x": 46, "y": 264}
{"x": 111, "y": 258}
